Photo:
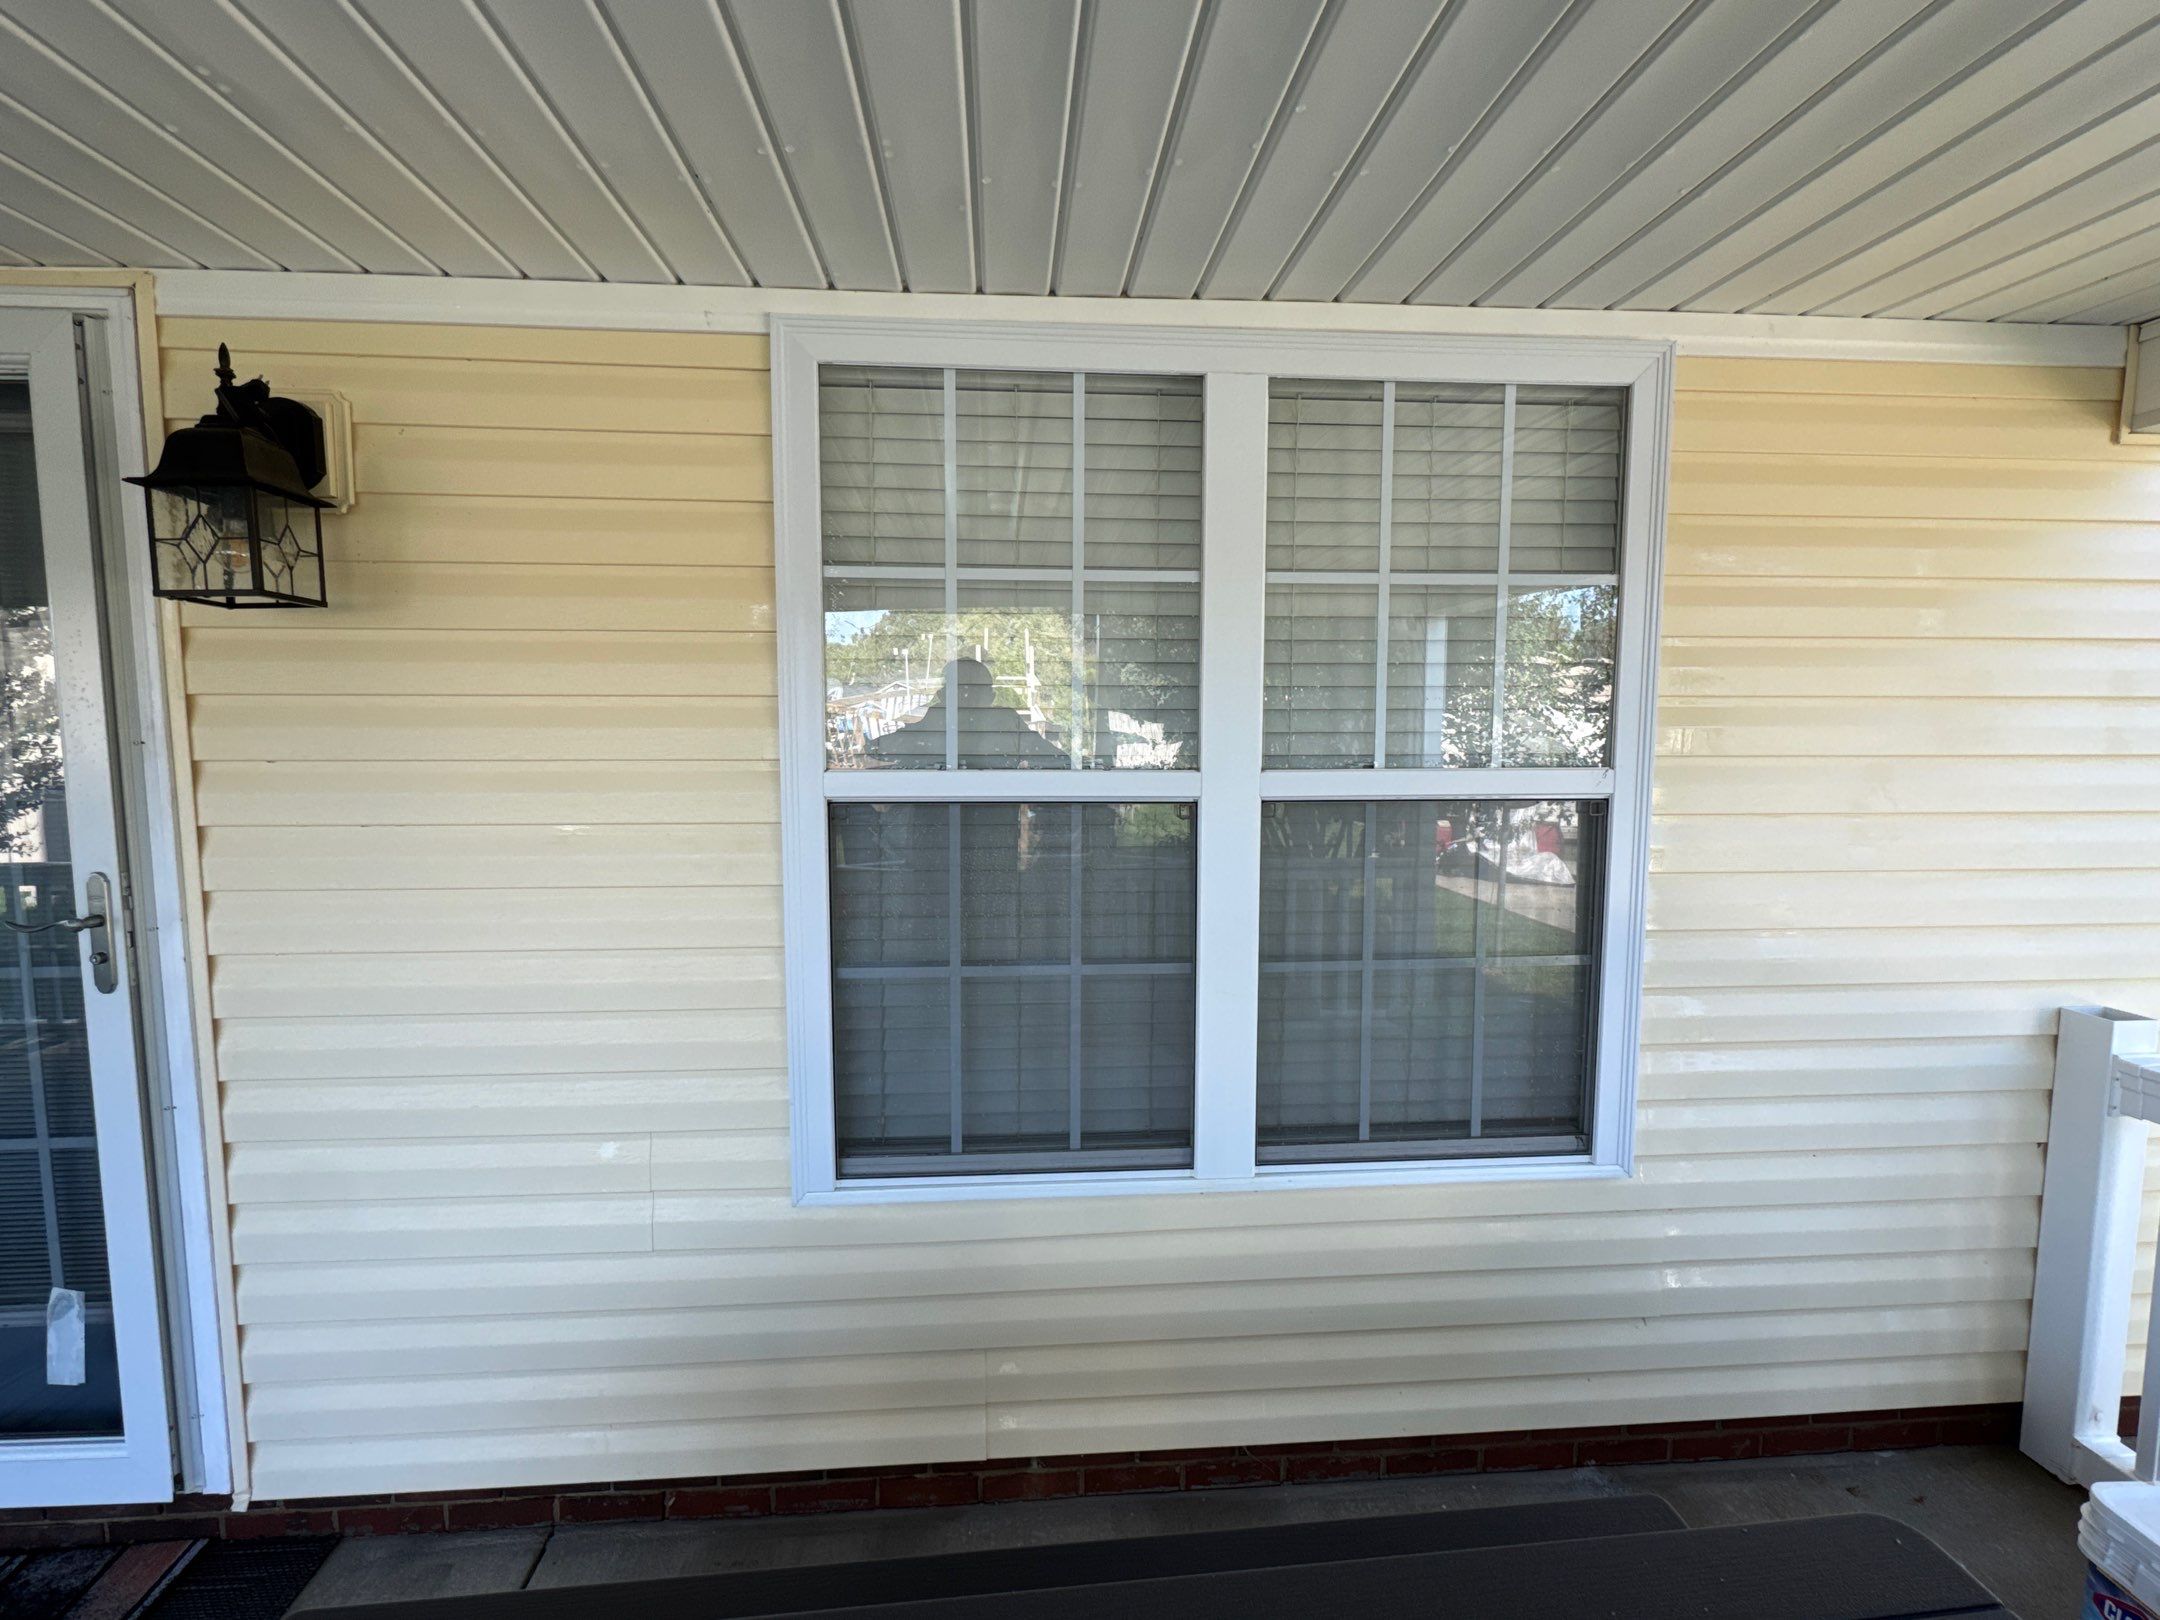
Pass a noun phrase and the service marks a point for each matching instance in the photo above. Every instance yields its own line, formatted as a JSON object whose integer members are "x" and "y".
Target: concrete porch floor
{"x": 2013, "y": 1526}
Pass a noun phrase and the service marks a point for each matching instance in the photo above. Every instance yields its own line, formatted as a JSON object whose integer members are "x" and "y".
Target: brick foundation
{"x": 1020, "y": 1479}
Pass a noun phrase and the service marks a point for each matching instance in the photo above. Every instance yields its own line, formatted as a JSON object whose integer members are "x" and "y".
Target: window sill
{"x": 1151, "y": 1183}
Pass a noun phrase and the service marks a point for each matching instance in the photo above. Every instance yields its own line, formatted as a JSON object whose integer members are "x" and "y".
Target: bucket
{"x": 2104, "y": 1600}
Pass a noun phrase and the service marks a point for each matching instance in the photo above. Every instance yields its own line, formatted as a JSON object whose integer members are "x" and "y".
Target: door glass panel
{"x": 52, "y": 1229}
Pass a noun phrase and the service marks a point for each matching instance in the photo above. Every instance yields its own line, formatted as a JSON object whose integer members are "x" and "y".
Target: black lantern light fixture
{"x": 233, "y": 521}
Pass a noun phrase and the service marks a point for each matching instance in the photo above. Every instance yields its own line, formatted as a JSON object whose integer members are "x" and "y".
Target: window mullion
{"x": 1079, "y": 574}
{"x": 952, "y": 590}
{"x": 1232, "y": 674}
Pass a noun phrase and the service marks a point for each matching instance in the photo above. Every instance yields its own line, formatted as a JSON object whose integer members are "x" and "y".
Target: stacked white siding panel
{"x": 494, "y": 913}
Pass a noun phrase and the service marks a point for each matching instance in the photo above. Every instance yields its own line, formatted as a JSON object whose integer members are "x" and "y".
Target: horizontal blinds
{"x": 1012, "y": 981}
{"x": 1441, "y": 563}
{"x": 1012, "y": 568}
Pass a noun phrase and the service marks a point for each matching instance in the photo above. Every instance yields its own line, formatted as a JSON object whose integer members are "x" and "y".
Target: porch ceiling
{"x": 1973, "y": 159}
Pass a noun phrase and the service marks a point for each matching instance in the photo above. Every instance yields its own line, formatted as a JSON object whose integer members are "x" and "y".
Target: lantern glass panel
{"x": 201, "y": 539}
{"x": 286, "y": 535}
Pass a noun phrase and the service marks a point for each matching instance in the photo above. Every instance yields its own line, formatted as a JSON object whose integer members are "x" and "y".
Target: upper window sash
{"x": 1231, "y": 782}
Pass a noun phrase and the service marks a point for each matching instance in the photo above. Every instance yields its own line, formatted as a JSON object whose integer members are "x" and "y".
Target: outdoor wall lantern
{"x": 232, "y": 519}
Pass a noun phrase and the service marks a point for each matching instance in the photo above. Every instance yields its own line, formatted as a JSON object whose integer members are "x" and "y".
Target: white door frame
{"x": 199, "y": 1439}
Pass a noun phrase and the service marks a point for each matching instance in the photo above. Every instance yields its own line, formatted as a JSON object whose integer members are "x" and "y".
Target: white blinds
{"x": 1012, "y": 568}
{"x": 1012, "y": 982}
{"x": 1426, "y": 977}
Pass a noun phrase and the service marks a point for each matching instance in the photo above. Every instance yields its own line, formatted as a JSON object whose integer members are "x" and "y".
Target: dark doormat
{"x": 45, "y": 1585}
{"x": 242, "y": 1580}
{"x": 1615, "y": 1559}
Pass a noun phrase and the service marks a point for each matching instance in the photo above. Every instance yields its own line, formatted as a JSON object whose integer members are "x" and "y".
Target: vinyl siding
{"x": 493, "y": 903}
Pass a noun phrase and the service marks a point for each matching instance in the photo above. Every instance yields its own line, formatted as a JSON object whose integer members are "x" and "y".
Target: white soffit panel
{"x": 1910, "y": 159}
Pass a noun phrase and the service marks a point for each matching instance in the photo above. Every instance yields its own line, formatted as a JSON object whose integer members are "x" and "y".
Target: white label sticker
{"x": 64, "y": 1337}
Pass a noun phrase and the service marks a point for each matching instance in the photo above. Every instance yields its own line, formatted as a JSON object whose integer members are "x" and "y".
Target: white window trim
{"x": 1236, "y": 366}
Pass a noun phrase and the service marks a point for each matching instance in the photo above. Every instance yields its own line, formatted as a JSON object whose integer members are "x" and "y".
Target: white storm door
{"x": 83, "y": 1405}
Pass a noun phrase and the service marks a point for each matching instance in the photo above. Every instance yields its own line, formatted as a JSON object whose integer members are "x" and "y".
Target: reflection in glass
{"x": 1439, "y": 676}
{"x": 1012, "y": 569}
{"x": 1558, "y": 700}
{"x": 1012, "y": 986}
{"x": 1004, "y": 684}
{"x": 52, "y": 1226}
{"x": 1427, "y": 979}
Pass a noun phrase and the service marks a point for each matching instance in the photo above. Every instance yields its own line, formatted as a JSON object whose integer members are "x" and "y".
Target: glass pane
{"x": 1013, "y": 468}
{"x": 52, "y": 1227}
{"x": 1445, "y": 503}
{"x": 1558, "y": 700}
{"x": 1140, "y": 666}
{"x": 1022, "y": 650}
{"x": 997, "y": 685}
{"x": 1143, "y": 471}
{"x": 1440, "y": 673}
{"x": 1013, "y": 986}
{"x": 1566, "y": 510}
{"x": 1420, "y": 965}
{"x": 881, "y": 451}
{"x": 1322, "y": 648}
{"x": 1323, "y": 497}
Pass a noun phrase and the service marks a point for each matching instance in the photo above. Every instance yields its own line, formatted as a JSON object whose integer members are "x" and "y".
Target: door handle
{"x": 97, "y": 924}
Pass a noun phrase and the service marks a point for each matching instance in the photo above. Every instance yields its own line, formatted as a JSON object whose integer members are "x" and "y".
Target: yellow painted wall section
{"x": 493, "y": 906}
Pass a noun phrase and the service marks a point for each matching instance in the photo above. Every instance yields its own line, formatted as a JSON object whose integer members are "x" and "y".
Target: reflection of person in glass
{"x": 991, "y": 736}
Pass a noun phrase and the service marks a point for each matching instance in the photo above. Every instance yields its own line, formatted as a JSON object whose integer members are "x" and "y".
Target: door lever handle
{"x": 97, "y": 924}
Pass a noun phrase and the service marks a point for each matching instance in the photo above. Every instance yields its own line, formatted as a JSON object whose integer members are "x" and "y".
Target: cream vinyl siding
{"x": 493, "y": 905}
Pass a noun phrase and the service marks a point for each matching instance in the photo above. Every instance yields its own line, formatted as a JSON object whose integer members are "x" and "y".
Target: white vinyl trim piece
{"x": 479, "y": 301}
{"x": 1230, "y": 785}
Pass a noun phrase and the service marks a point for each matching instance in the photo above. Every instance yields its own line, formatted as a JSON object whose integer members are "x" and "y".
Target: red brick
{"x": 610, "y": 1506}
{"x": 1085, "y": 1459}
{"x": 186, "y": 1527}
{"x": 1805, "y": 1441}
{"x": 1464, "y": 1461}
{"x": 1696, "y": 1426}
{"x": 721, "y": 1502}
{"x": 929, "y": 1490}
{"x": 252, "y": 1525}
{"x": 1299, "y": 1448}
{"x": 825, "y": 1496}
{"x": 391, "y": 1519}
{"x": 1620, "y": 1450}
{"x": 1995, "y": 1429}
{"x": 1339, "y": 1465}
{"x": 1895, "y": 1435}
{"x": 1715, "y": 1447}
{"x": 1530, "y": 1454}
{"x": 1130, "y": 1477}
{"x": 1189, "y": 1454}
{"x": 1216, "y": 1473}
{"x": 503, "y": 1513}
{"x": 1033, "y": 1485}
{"x": 1848, "y": 1419}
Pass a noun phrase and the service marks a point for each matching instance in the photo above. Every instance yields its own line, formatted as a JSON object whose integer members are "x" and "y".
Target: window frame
{"x": 1230, "y": 784}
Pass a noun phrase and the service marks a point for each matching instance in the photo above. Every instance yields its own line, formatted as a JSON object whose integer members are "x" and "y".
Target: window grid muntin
{"x": 1501, "y": 579}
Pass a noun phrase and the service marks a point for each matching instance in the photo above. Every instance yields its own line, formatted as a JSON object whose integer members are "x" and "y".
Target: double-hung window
{"x": 1211, "y": 760}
